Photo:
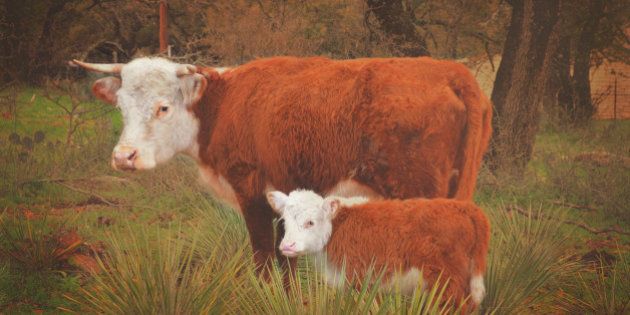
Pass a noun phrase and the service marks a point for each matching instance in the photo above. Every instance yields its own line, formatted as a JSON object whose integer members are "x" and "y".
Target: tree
{"x": 592, "y": 31}
{"x": 583, "y": 106}
{"x": 398, "y": 23}
{"x": 520, "y": 81}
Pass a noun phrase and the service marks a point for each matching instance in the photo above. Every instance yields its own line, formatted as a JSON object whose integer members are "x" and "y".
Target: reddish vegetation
{"x": 407, "y": 127}
{"x": 437, "y": 236}
{"x": 70, "y": 248}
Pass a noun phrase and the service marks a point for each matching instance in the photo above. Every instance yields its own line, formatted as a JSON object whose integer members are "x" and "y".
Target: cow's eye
{"x": 308, "y": 224}
{"x": 161, "y": 111}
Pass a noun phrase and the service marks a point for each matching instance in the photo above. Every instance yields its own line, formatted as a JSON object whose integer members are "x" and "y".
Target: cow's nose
{"x": 124, "y": 157}
{"x": 287, "y": 247}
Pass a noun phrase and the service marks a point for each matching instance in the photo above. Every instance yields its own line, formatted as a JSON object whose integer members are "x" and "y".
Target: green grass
{"x": 36, "y": 112}
{"x": 168, "y": 247}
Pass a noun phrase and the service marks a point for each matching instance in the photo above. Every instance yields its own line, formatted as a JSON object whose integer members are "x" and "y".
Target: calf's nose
{"x": 124, "y": 157}
{"x": 287, "y": 247}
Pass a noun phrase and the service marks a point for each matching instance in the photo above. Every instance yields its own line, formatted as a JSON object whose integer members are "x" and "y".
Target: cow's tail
{"x": 476, "y": 134}
{"x": 478, "y": 255}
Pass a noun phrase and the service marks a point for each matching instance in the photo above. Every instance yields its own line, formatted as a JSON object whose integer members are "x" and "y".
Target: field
{"x": 76, "y": 236}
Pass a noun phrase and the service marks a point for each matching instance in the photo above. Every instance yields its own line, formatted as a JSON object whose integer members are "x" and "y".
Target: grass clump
{"x": 309, "y": 294}
{"x": 600, "y": 289}
{"x": 527, "y": 253}
{"x": 36, "y": 262}
{"x": 139, "y": 274}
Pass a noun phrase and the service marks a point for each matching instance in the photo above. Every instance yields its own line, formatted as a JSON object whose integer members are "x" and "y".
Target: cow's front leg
{"x": 259, "y": 221}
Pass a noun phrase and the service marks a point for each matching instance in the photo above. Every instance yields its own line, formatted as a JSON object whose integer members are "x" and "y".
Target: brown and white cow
{"x": 393, "y": 128}
{"x": 410, "y": 241}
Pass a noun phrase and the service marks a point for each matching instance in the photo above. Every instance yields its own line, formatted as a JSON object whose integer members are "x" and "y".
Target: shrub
{"x": 309, "y": 294}
{"x": 600, "y": 290}
{"x": 140, "y": 275}
{"x": 527, "y": 252}
{"x": 35, "y": 262}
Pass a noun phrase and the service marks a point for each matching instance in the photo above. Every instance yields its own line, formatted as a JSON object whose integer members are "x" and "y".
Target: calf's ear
{"x": 192, "y": 86}
{"x": 105, "y": 89}
{"x": 331, "y": 205}
{"x": 277, "y": 200}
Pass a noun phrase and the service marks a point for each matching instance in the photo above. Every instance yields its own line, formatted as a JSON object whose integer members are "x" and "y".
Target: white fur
{"x": 350, "y": 201}
{"x": 222, "y": 70}
{"x": 350, "y": 188}
{"x": 332, "y": 275}
{"x": 219, "y": 186}
{"x": 406, "y": 282}
{"x": 297, "y": 209}
{"x": 302, "y": 208}
{"x": 147, "y": 82}
{"x": 477, "y": 289}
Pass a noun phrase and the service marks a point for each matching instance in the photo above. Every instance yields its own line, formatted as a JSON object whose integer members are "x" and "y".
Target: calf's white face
{"x": 155, "y": 97}
{"x": 307, "y": 220}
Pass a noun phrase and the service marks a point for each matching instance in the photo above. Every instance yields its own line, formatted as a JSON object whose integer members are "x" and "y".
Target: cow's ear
{"x": 192, "y": 86}
{"x": 105, "y": 89}
{"x": 277, "y": 200}
{"x": 331, "y": 205}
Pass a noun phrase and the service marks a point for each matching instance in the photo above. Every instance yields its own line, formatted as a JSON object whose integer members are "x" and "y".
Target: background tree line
{"x": 547, "y": 46}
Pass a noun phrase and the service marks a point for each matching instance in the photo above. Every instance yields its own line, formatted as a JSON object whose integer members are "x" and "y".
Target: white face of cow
{"x": 155, "y": 97}
{"x": 307, "y": 220}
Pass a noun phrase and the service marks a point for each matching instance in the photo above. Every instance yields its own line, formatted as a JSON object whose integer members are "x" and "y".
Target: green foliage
{"x": 527, "y": 252}
{"x": 33, "y": 244}
{"x": 5, "y": 285}
{"x": 33, "y": 267}
{"x": 171, "y": 248}
{"x": 607, "y": 291}
{"x": 142, "y": 275}
{"x": 310, "y": 295}
{"x": 38, "y": 146}
{"x": 594, "y": 169}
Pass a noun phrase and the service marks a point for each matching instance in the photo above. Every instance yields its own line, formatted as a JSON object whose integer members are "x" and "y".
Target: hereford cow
{"x": 397, "y": 128}
{"x": 408, "y": 240}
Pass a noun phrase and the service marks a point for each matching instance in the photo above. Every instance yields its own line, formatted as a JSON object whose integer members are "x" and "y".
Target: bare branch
{"x": 581, "y": 225}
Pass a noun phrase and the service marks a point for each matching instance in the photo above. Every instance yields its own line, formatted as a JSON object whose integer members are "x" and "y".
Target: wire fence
{"x": 610, "y": 85}
{"x": 610, "y": 89}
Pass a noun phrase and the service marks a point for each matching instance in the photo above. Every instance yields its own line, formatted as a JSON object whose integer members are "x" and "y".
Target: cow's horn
{"x": 185, "y": 70}
{"x": 98, "y": 67}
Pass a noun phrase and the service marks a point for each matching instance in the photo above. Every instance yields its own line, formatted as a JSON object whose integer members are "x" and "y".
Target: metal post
{"x": 163, "y": 27}
{"x": 615, "y": 99}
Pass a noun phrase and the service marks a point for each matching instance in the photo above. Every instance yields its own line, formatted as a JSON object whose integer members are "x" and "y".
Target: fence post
{"x": 615, "y": 99}
{"x": 163, "y": 27}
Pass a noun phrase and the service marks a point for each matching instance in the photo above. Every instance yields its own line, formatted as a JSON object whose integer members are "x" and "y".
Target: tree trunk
{"x": 565, "y": 92}
{"x": 43, "y": 52}
{"x": 559, "y": 92}
{"x": 521, "y": 80}
{"x": 399, "y": 25}
{"x": 583, "y": 106}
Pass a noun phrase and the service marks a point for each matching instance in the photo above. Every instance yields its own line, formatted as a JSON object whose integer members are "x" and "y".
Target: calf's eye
{"x": 308, "y": 224}
{"x": 161, "y": 111}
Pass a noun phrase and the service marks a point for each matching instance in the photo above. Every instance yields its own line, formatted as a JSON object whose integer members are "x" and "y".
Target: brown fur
{"x": 439, "y": 235}
{"x": 398, "y": 126}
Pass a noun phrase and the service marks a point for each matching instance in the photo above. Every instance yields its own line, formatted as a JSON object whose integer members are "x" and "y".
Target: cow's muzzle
{"x": 123, "y": 158}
